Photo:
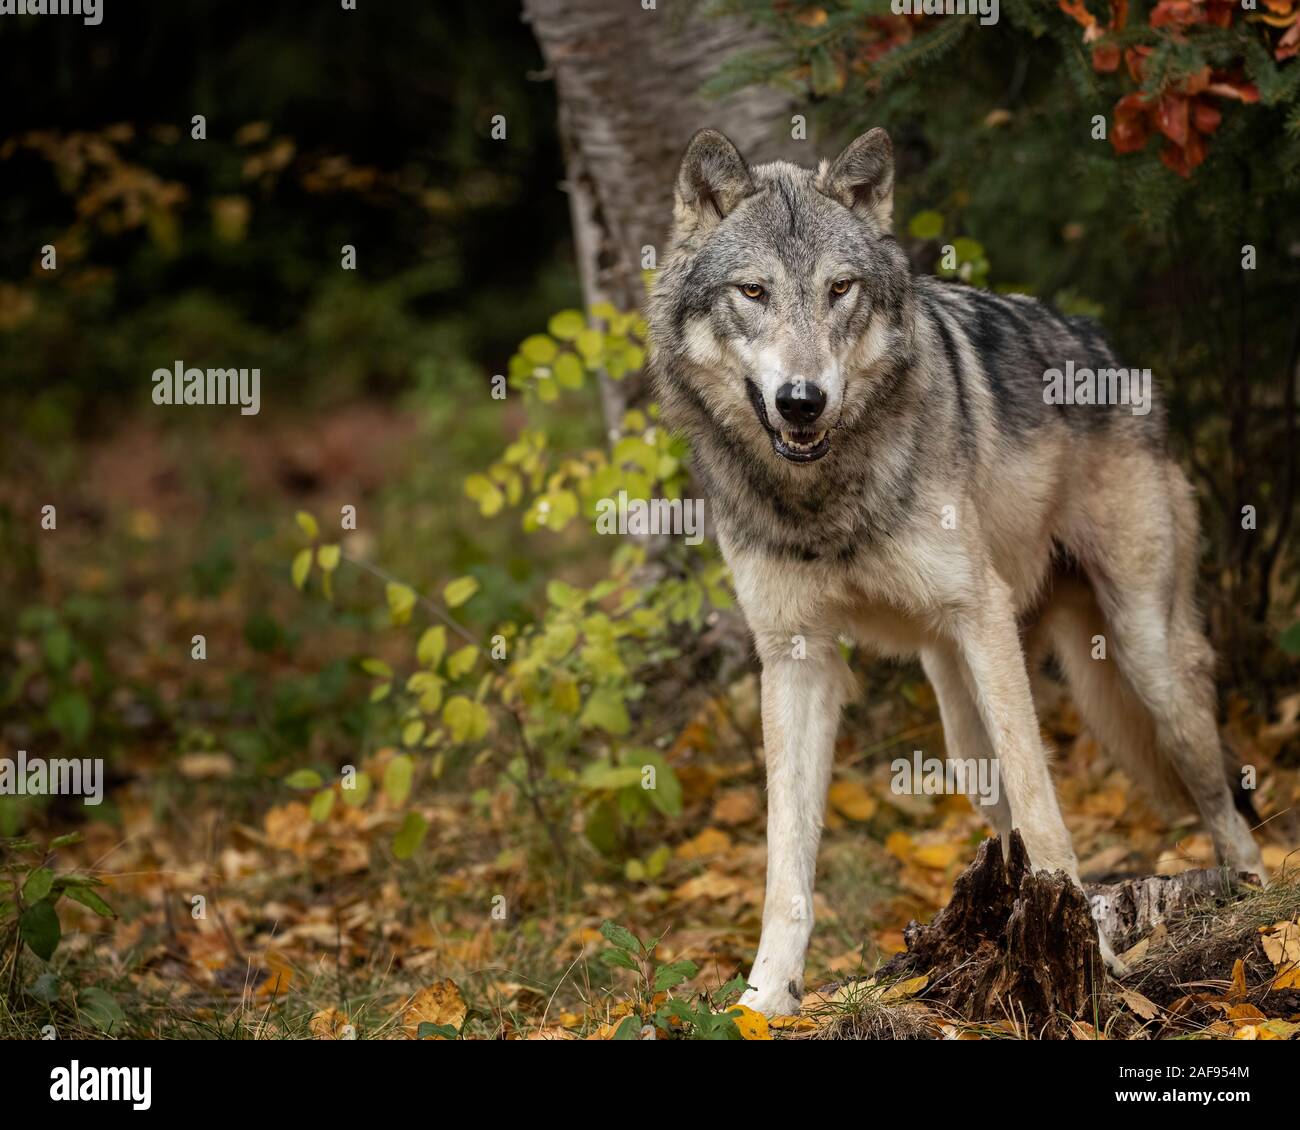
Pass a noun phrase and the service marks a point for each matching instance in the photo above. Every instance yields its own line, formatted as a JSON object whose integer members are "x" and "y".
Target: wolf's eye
{"x": 753, "y": 290}
{"x": 841, "y": 287}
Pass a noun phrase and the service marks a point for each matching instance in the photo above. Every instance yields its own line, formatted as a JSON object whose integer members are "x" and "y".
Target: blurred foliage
{"x": 321, "y": 130}
{"x": 549, "y": 701}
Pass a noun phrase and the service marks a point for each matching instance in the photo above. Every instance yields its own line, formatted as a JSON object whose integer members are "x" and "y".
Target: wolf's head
{"x": 781, "y": 296}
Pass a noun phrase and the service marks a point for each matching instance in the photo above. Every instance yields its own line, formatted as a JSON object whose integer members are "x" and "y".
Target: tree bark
{"x": 628, "y": 82}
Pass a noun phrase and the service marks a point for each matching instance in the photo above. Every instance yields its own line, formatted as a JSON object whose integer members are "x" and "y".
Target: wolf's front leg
{"x": 805, "y": 681}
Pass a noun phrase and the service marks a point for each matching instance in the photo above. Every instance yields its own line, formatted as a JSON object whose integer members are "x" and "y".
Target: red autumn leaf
{"x": 1105, "y": 58}
{"x": 1135, "y": 59}
{"x": 1242, "y": 91}
{"x": 1219, "y": 13}
{"x": 1205, "y": 117}
{"x": 1171, "y": 117}
{"x": 1182, "y": 160}
{"x": 1131, "y": 128}
{"x": 1176, "y": 13}
{"x": 1196, "y": 82}
{"x": 1076, "y": 10}
{"x": 1289, "y": 44}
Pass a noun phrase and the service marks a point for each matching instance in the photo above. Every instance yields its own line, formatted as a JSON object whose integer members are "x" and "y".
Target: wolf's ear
{"x": 862, "y": 177}
{"x": 712, "y": 180}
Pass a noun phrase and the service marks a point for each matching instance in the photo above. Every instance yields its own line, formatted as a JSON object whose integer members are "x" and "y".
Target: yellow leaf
{"x": 331, "y": 1024}
{"x": 307, "y": 524}
{"x": 711, "y": 841}
{"x": 461, "y": 661}
{"x": 937, "y": 856}
{"x": 432, "y": 646}
{"x": 750, "y": 1024}
{"x": 440, "y": 1003}
{"x": 904, "y": 989}
{"x": 851, "y": 799}
{"x": 279, "y": 974}
{"x": 459, "y": 591}
{"x": 327, "y": 557}
{"x": 301, "y": 568}
{"x": 401, "y": 599}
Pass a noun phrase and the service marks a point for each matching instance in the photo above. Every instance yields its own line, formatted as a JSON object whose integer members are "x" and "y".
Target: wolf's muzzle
{"x": 797, "y": 444}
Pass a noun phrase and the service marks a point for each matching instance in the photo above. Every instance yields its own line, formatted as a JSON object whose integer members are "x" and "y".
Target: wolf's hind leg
{"x": 964, "y": 735}
{"x": 1144, "y": 578}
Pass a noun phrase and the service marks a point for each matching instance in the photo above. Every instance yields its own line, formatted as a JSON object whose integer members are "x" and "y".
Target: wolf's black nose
{"x": 800, "y": 402}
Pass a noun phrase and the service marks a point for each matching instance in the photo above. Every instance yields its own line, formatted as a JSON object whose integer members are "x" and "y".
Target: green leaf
{"x": 619, "y": 936}
{"x": 926, "y": 225}
{"x": 38, "y": 885}
{"x": 39, "y": 928}
{"x": 667, "y": 792}
{"x": 70, "y": 713}
{"x": 307, "y": 523}
{"x": 459, "y": 591}
{"x": 327, "y": 557}
{"x": 605, "y": 711}
{"x": 486, "y": 493}
{"x": 427, "y": 1028}
{"x": 401, "y": 600}
{"x": 669, "y": 976}
{"x": 304, "y": 779}
{"x": 410, "y": 836}
{"x": 398, "y": 774}
{"x": 301, "y": 568}
{"x": 412, "y": 732}
{"x": 567, "y": 324}
{"x": 376, "y": 667}
{"x": 602, "y": 775}
{"x": 88, "y": 897}
{"x": 569, "y": 372}
{"x": 100, "y": 1009}
{"x": 428, "y": 687}
{"x": 65, "y": 840}
{"x": 432, "y": 646}
{"x": 322, "y": 804}
{"x": 466, "y": 720}
{"x": 359, "y": 792}
{"x": 629, "y": 1029}
{"x": 539, "y": 349}
{"x": 620, "y": 958}
{"x": 58, "y": 649}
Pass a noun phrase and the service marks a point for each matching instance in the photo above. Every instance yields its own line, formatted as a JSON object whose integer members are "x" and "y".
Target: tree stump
{"x": 1014, "y": 945}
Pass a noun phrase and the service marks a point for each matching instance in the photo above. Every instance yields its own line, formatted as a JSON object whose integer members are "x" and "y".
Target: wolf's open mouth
{"x": 796, "y": 446}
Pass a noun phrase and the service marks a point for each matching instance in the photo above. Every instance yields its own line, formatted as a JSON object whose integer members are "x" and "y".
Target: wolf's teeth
{"x": 800, "y": 445}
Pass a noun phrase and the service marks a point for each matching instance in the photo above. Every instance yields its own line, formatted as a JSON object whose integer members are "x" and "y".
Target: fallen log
{"x": 1130, "y": 909}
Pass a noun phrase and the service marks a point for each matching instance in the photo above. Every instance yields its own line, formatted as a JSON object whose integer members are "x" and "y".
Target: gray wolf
{"x": 883, "y": 465}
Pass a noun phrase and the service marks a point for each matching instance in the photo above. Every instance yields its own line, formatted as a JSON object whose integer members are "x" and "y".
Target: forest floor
{"x": 239, "y": 915}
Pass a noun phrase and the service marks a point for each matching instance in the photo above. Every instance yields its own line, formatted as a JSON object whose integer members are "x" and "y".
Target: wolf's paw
{"x": 1113, "y": 963}
{"x": 774, "y": 998}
